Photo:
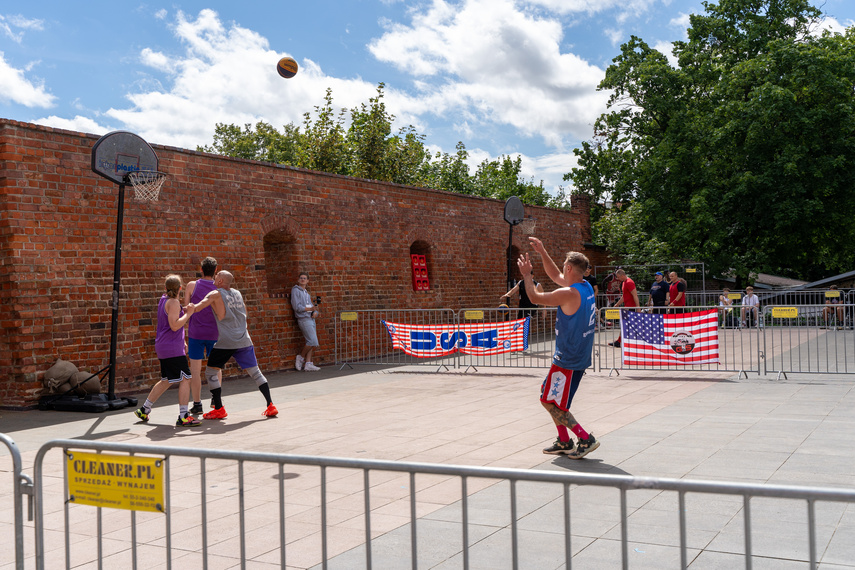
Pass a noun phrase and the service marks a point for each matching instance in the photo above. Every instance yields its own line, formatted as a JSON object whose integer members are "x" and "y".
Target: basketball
{"x": 287, "y": 67}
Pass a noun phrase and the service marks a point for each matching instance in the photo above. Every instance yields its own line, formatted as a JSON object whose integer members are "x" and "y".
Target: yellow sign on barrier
{"x": 349, "y": 316}
{"x": 832, "y": 294}
{"x": 785, "y": 312}
{"x": 613, "y": 314}
{"x": 691, "y": 270}
{"x": 473, "y": 315}
{"x": 734, "y": 296}
{"x": 116, "y": 481}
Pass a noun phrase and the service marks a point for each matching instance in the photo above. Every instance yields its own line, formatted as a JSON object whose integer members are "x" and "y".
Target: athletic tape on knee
{"x": 213, "y": 378}
{"x": 256, "y": 375}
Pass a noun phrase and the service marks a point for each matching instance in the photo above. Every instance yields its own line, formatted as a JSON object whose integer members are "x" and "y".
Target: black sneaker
{"x": 584, "y": 447}
{"x": 615, "y": 344}
{"x": 197, "y": 408}
{"x": 187, "y": 421}
{"x": 559, "y": 447}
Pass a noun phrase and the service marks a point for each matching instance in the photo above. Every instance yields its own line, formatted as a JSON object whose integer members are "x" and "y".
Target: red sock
{"x": 563, "y": 434}
{"x": 580, "y": 433}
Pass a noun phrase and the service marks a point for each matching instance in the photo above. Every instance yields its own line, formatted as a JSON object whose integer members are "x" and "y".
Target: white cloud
{"x": 832, "y": 25}
{"x": 667, "y": 49}
{"x": 225, "y": 74}
{"x": 626, "y": 7}
{"x": 492, "y": 63}
{"x": 78, "y": 123}
{"x": 9, "y": 22}
{"x": 17, "y": 88}
{"x": 681, "y": 22}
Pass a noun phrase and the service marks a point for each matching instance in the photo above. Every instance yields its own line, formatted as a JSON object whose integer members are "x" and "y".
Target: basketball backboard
{"x": 120, "y": 152}
{"x": 514, "y": 210}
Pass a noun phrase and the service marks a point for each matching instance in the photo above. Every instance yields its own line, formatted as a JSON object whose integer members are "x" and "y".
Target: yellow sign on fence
{"x": 349, "y": 316}
{"x": 613, "y": 314}
{"x": 785, "y": 312}
{"x": 116, "y": 481}
{"x": 734, "y": 296}
{"x": 832, "y": 294}
{"x": 691, "y": 270}
{"x": 474, "y": 315}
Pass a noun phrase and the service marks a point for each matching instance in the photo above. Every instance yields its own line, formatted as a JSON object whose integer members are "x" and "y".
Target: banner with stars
{"x": 672, "y": 339}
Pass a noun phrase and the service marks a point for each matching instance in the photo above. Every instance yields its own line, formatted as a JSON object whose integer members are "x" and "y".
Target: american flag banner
{"x": 672, "y": 339}
{"x": 430, "y": 341}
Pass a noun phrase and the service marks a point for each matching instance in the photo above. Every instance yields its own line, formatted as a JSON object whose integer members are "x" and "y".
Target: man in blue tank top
{"x": 574, "y": 341}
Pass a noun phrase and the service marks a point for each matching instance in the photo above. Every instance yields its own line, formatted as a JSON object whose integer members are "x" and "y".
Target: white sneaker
{"x": 309, "y": 367}
{"x": 299, "y": 363}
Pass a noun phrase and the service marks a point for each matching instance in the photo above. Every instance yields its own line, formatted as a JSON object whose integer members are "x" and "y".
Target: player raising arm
{"x": 574, "y": 342}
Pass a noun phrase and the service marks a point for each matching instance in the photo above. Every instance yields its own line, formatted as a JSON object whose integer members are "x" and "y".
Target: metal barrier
{"x": 780, "y": 339}
{"x": 252, "y": 477}
{"x": 809, "y": 338}
{"x": 739, "y": 348}
{"x": 21, "y": 485}
{"x": 361, "y": 337}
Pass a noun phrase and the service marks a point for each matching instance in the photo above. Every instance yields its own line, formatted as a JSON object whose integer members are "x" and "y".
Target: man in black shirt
{"x": 658, "y": 294}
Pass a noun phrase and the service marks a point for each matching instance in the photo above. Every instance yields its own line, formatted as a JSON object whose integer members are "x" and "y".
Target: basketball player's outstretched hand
{"x": 537, "y": 245}
{"x": 524, "y": 263}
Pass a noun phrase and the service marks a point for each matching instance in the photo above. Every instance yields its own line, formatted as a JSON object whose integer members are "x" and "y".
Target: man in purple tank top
{"x": 203, "y": 329}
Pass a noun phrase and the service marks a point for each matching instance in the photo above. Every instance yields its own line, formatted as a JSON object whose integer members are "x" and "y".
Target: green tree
{"x": 262, "y": 142}
{"x": 740, "y": 155}
{"x": 323, "y": 145}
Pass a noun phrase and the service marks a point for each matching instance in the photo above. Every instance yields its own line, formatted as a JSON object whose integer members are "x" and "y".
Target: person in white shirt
{"x": 750, "y": 304}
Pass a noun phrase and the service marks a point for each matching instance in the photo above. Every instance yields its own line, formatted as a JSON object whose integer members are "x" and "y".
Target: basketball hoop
{"x": 527, "y": 226}
{"x": 147, "y": 184}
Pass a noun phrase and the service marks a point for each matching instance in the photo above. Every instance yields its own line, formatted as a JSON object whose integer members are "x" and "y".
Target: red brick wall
{"x": 262, "y": 222}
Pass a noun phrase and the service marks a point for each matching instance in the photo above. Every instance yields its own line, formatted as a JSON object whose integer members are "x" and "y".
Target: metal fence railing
{"x": 773, "y": 339}
{"x": 21, "y": 485}
{"x": 362, "y": 338}
{"x": 252, "y": 479}
{"x": 809, "y": 339}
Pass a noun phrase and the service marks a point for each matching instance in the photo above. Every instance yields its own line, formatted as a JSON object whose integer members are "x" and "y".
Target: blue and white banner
{"x": 430, "y": 341}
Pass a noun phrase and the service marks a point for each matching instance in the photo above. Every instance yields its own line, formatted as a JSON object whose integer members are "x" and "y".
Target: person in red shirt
{"x": 677, "y": 292}
{"x": 629, "y": 296}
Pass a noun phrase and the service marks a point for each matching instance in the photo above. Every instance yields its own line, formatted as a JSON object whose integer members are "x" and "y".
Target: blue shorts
{"x": 310, "y": 333}
{"x": 199, "y": 349}
{"x": 245, "y": 357}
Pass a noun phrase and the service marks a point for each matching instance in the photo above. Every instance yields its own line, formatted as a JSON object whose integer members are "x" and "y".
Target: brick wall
{"x": 262, "y": 222}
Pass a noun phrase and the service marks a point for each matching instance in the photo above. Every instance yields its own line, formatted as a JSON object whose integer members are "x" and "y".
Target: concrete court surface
{"x": 677, "y": 424}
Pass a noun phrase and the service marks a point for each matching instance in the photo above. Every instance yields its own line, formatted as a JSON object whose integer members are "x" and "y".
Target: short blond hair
{"x": 577, "y": 260}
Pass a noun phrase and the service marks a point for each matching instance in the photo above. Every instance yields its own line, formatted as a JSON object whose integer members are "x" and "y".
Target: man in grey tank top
{"x": 233, "y": 342}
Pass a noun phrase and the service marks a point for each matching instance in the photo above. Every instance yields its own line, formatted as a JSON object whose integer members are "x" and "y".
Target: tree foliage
{"x": 366, "y": 147}
{"x": 741, "y": 155}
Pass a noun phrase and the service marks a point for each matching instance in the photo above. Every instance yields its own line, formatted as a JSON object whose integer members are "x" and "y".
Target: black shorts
{"x": 174, "y": 369}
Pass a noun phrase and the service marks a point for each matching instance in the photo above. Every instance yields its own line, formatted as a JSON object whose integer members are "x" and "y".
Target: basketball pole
{"x": 510, "y": 261}
{"x": 117, "y": 276}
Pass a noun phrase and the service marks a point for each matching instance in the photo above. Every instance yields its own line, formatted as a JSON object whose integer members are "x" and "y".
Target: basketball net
{"x": 147, "y": 184}
{"x": 527, "y": 226}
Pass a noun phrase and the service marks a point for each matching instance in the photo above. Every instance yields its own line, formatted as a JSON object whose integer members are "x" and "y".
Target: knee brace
{"x": 256, "y": 375}
{"x": 212, "y": 374}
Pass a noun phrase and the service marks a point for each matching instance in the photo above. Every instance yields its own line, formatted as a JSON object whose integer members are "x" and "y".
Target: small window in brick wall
{"x": 419, "y": 261}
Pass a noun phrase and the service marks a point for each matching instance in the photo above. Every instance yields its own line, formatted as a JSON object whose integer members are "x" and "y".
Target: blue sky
{"x": 503, "y": 76}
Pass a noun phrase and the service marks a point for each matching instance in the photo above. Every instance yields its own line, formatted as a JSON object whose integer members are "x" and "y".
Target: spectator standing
{"x": 658, "y": 293}
{"x": 629, "y": 296}
{"x": 305, "y": 312}
{"x": 677, "y": 293}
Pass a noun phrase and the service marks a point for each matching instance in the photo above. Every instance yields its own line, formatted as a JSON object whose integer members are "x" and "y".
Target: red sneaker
{"x": 270, "y": 412}
{"x": 216, "y": 414}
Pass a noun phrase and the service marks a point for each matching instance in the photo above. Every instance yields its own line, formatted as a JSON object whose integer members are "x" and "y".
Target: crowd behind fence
{"x": 151, "y": 538}
{"x": 781, "y": 339}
